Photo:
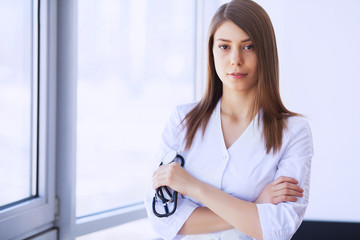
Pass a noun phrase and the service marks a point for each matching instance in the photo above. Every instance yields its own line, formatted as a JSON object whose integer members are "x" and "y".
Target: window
{"x": 97, "y": 68}
{"x": 27, "y": 183}
{"x": 127, "y": 65}
{"x": 82, "y": 93}
{"x": 18, "y": 103}
{"x": 137, "y": 60}
{"x": 125, "y": 231}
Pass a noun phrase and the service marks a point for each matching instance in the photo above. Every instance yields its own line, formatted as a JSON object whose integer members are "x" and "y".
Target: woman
{"x": 243, "y": 149}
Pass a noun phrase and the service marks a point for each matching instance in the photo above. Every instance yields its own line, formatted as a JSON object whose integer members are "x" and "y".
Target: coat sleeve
{"x": 280, "y": 222}
{"x": 168, "y": 227}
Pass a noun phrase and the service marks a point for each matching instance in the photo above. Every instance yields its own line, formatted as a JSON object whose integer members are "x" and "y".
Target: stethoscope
{"x": 159, "y": 192}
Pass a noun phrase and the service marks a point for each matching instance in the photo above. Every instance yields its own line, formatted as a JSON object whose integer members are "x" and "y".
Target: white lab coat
{"x": 242, "y": 170}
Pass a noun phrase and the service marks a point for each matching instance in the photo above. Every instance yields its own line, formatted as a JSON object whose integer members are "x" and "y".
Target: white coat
{"x": 242, "y": 170}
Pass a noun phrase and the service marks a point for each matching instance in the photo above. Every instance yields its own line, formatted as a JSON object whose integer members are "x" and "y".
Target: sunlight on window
{"x": 136, "y": 230}
{"x": 15, "y": 100}
{"x": 136, "y": 63}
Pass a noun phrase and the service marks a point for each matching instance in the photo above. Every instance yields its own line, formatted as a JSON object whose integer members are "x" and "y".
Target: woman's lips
{"x": 237, "y": 75}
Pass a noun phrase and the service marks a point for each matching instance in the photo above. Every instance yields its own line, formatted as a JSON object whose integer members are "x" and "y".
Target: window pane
{"x": 128, "y": 231}
{"x": 16, "y": 101}
{"x": 135, "y": 63}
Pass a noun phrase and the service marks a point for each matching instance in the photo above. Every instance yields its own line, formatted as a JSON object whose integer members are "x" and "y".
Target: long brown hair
{"x": 254, "y": 21}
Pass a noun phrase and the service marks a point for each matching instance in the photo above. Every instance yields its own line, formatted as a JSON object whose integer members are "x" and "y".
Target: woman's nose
{"x": 236, "y": 58}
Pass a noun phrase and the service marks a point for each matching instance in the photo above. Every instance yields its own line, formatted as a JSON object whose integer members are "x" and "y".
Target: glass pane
{"x": 128, "y": 231}
{"x": 16, "y": 101}
{"x": 135, "y": 63}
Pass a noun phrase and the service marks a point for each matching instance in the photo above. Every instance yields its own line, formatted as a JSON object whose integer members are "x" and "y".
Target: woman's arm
{"x": 219, "y": 213}
{"x": 222, "y": 204}
{"x": 203, "y": 220}
{"x": 241, "y": 214}
{"x": 282, "y": 189}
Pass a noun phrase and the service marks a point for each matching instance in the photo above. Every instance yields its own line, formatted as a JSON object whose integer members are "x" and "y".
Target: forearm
{"x": 203, "y": 220}
{"x": 240, "y": 214}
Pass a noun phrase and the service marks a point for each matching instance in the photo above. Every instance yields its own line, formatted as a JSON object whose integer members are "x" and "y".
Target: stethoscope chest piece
{"x": 169, "y": 157}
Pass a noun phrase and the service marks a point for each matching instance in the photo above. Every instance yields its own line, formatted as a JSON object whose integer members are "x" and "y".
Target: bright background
{"x": 135, "y": 64}
{"x": 318, "y": 51}
{"x": 15, "y": 101}
{"x": 318, "y": 43}
{"x": 138, "y": 59}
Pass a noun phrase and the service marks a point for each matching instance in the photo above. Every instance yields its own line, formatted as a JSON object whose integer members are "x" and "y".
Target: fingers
{"x": 159, "y": 177}
{"x": 287, "y": 185}
{"x": 164, "y": 174}
{"x": 285, "y": 189}
{"x": 166, "y": 167}
{"x": 285, "y": 179}
{"x": 287, "y": 192}
{"x": 158, "y": 181}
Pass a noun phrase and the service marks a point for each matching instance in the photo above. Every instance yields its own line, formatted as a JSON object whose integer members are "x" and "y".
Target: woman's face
{"x": 235, "y": 58}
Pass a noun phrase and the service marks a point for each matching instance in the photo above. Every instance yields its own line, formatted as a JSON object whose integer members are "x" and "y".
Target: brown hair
{"x": 255, "y": 22}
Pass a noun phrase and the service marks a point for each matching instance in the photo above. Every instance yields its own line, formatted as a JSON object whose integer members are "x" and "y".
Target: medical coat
{"x": 242, "y": 170}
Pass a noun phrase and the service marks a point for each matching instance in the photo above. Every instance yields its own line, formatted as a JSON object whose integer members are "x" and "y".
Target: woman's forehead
{"x": 229, "y": 31}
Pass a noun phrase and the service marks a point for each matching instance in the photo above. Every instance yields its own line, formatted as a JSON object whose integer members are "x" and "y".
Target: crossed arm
{"x": 218, "y": 215}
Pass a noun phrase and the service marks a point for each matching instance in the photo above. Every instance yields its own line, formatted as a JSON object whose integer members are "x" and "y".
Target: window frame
{"x": 57, "y": 93}
{"x": 35, "y": 214}
{"x": 70, "y": 226}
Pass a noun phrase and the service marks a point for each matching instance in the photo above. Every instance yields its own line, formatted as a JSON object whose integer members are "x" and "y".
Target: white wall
{"x": 319, "y": 51}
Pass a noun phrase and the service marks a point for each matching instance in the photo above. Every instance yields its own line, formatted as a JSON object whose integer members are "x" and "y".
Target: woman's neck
{"x": 238, "y": 106}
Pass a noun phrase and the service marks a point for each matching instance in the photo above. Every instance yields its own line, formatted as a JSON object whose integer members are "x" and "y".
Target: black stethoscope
{"x": 160, "y": 192}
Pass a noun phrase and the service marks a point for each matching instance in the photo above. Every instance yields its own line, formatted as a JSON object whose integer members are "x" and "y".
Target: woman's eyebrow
{"x": 226, "y": 40}
{"x": 223, "y": 40}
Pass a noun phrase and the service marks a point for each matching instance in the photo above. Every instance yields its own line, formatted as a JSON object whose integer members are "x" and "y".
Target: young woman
{"x": 247, "y": 158}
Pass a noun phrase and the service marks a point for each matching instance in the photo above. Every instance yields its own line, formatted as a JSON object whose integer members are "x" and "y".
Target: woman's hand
{"x": 282, "y": 189}
{"x": 175, "y": 177}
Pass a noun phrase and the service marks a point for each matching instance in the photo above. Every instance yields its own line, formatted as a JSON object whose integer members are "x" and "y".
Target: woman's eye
{"x": 249, "y": 47}
{"x": 223, "y": 47}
